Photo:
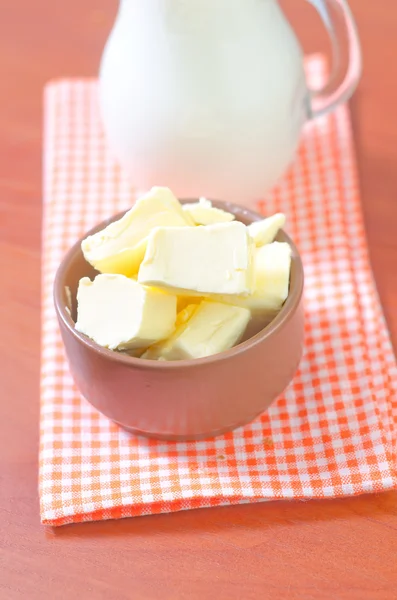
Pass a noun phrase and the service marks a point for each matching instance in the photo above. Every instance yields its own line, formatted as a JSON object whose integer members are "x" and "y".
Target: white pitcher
{"x": 208, "y": 97}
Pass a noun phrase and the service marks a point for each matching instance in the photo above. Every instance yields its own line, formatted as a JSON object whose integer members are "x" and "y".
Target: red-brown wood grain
{"x": 342, "y": 549}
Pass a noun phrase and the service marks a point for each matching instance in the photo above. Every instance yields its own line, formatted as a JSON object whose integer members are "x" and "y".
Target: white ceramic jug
{"x": 208, "y": 97}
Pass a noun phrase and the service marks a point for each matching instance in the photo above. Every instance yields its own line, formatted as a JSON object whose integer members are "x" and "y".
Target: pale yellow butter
{"x": 203, "y": 330}
{"x": 272, "y": 267}
{"x": 265, "y": 231}
{"x": 119, "y": 313}
{"x": 199, "y": 260}
{"x": 121, "y": 246}
{"x": 203, "y": 213}
{"x": 184, "y": 301}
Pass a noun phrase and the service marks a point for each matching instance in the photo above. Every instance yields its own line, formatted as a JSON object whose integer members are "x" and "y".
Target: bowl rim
{"x": 286, "y": 313}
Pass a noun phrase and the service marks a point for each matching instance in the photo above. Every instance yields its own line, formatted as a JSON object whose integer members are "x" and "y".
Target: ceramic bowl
{"x": 189, "y": 399}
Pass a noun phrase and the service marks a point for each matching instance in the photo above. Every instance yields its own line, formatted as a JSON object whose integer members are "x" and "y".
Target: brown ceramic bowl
{"x": 184, "y": 400}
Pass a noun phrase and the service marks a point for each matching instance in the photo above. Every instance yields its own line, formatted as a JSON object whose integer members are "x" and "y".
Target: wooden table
{"x": 343, "y": 549}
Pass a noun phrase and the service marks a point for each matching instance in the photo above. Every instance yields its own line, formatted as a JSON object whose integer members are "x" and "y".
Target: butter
{"x": 121, "y": 246}
{"x": 203, "y": 213}
{"x": 202, "y": 330}
{"x": 272, "y": 266}
{"x": 185, "y": 314}
{"x": 265, "y": 231}
{"x": 196, "y": 261}
{"x": 184, "y": 301}
{"x": 119, "y": 313}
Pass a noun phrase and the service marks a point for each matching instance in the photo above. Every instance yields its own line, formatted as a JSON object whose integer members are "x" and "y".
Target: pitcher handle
{"x": 339, "y": 22}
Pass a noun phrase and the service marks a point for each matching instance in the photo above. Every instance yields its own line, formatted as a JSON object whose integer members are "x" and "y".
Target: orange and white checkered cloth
{"x": 332, "y": 433}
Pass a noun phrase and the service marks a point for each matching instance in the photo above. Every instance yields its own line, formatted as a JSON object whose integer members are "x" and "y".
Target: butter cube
{"x": 265, "y": 231}
{"x": 203, "y": 213}
{"x": 272, "y": 267}
{"x": 119, "y": 313}
{"x": 121, "y": 246}
{"x": 203, "y": 330}
{"x": 198, "y": 261}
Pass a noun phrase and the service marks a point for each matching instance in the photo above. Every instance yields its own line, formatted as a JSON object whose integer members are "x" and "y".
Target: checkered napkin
{"x": 332, "y": 433}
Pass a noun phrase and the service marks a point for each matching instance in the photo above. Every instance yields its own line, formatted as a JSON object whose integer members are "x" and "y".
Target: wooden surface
{"x": 344, "y": 549}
